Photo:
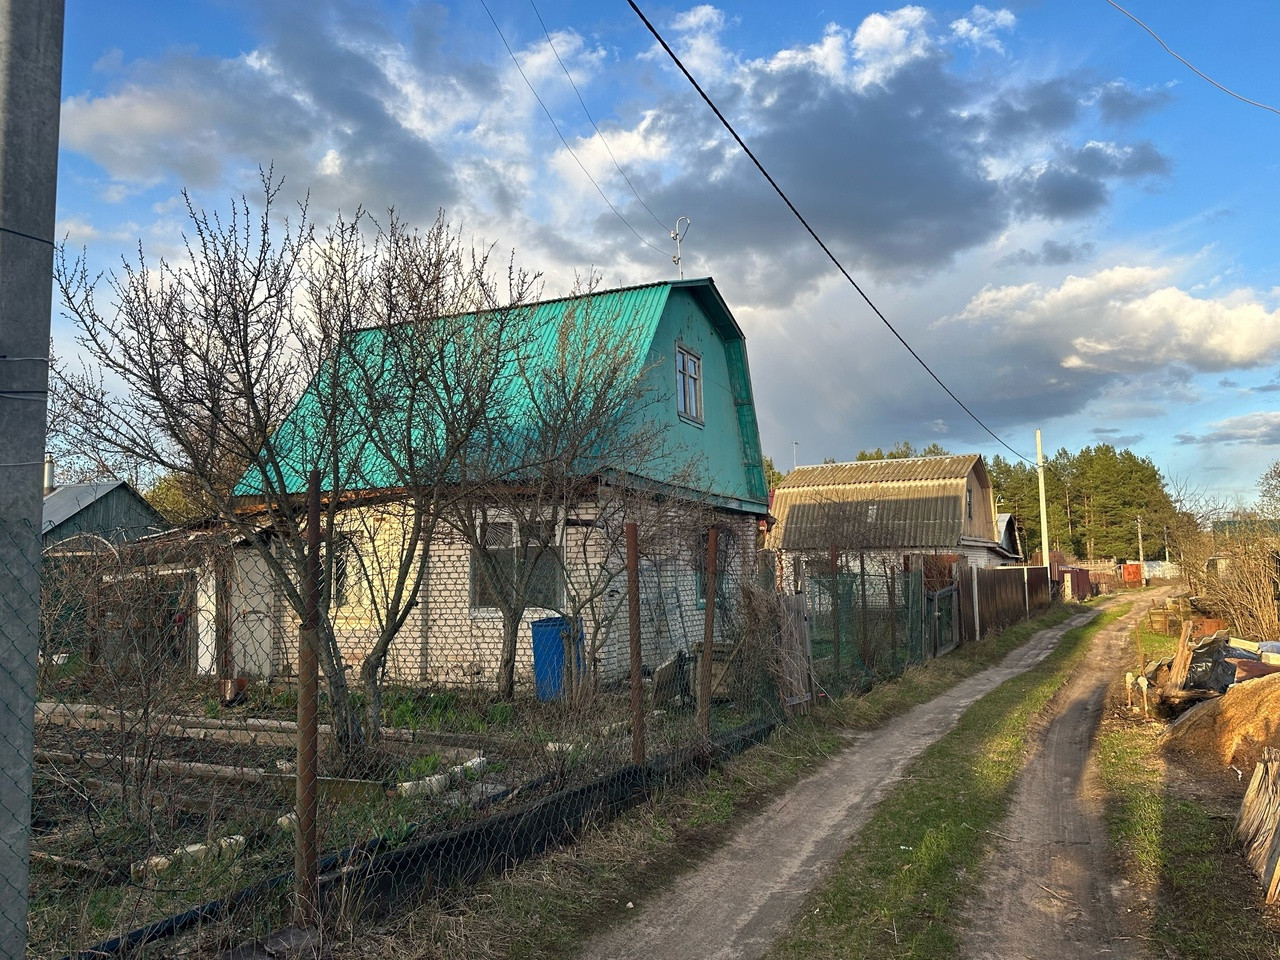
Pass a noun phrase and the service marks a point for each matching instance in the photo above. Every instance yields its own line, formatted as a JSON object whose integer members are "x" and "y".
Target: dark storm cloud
{"x": 1051, "y": 254}
{"x": 895, "y": 175}
{"x": 315, "y": 84}
{"x": 1119, "y": 102}
{"x": 1047, "y": 107}
{"x": 1076, "y": 182}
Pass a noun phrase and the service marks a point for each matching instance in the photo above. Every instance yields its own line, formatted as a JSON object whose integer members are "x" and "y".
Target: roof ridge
{"x": 690, "y": 282}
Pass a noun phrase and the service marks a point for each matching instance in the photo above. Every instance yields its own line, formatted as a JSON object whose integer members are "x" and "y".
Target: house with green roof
{"x": 691, "y": 439}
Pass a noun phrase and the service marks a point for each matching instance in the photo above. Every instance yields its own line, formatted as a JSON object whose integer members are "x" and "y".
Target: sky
{"x": 1068, "y": 225}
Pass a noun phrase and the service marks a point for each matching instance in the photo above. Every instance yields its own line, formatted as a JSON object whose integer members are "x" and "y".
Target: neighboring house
{"x": 113, "y": 511}
{"x": 695, "y": 374}
{"x": 1008, "y": 535}
{"x": 887, "y": 509}
{"x": 84, "y": 527}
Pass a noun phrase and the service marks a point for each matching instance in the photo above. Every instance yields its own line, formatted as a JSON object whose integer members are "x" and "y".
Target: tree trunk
{"x": 507, "y": 661}
{"x": 346, "y": 725}
{"x": 370, "y": 672}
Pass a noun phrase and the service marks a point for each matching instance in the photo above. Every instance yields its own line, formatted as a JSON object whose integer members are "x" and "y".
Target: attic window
{"x": 688, "y": 384}
{"x": 968, "y": 502}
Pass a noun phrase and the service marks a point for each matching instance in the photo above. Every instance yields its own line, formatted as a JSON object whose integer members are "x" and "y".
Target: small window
{"x": 968, "y": 502}
{"x": 688, "y": 384}
{"x": 504, "y": 567}
{"x": 345, "y": 587}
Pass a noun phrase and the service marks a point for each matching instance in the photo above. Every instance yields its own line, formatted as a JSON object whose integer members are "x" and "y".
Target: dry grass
{"x": 550, "y": 906}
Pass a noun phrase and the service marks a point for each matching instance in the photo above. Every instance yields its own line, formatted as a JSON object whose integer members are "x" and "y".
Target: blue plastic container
{"x": 548, "y": 655}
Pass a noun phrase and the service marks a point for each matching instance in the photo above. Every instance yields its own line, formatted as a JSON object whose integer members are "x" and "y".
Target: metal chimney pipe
{"x": 49, "y": 485}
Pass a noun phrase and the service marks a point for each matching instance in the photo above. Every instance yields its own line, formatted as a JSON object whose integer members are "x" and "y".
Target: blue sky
{"x": 1073, "y": 229}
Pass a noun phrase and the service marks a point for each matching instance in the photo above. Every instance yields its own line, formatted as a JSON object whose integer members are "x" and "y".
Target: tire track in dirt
{"x": 733, "y": 905}
{"x": 1049, "y": 891}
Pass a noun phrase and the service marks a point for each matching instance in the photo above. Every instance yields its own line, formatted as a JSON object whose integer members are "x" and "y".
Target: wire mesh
{"x": 166, "y": 728}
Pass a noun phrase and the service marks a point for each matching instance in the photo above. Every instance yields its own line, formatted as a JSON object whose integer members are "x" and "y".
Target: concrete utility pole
{"x": 1142, "y": 559}
{"x": 1044, "y": 513}
{"x": 30, "y": 96}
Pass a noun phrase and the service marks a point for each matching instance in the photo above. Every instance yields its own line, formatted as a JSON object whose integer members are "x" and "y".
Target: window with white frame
{"x": 688, "y": 384}
{"x": 502, "y": 566}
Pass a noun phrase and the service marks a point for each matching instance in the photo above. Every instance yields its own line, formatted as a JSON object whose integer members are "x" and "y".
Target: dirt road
{"x": 738, "y": 901}
{"x": 1048, "y": 893}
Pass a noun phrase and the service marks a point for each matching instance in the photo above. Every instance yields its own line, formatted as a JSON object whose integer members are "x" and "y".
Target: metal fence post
{"x": 708, "y": 636}
{"x": 306, "y": 912}
{"x": 833, "y": 561}
{"x": 866, "y": 632}
{"x": 633, "y": 616}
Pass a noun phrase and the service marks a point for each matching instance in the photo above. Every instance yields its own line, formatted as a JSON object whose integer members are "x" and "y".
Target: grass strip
{"x": 552, "y": 905}
{"x": 899, "y": 890}
{"x": 1176, "y": 845}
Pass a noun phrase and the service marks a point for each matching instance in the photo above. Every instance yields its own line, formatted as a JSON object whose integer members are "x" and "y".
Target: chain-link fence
{"x": 866, "y": 626}
{"x": 171, "y": 778}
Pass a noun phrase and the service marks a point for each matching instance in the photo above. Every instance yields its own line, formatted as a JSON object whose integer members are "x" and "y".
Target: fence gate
{"x": 941, "y": 621}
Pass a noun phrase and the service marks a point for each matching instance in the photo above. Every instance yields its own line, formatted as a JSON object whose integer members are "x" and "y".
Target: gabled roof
{"x": 111, "y": 509}
{"x": 636, "y": 310}
{"x": 916, "y": 502}
{"x": 904, "y": 470}
{"x": 66, "y": 501}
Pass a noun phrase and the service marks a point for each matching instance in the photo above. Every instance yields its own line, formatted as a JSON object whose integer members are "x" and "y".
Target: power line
{"x": 556, "y": 126}
{"x": 1190, "y": 66}
{"x": 569, "y": 77}
{"x": 817, "y": 239}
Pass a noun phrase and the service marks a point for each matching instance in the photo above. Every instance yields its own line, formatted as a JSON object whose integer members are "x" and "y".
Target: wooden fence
{"x": 1002, "y": 596}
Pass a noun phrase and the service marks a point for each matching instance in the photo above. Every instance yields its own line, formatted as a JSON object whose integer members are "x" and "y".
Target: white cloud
{"x": 698, "y": 42}
{"x": 1261, "y": 427}
{"x": 1125, "y": 319}
{"x": 886, "y": 42}
{"x": 979, "y": 28}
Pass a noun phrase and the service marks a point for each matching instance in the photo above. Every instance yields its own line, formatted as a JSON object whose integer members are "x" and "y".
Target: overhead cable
{"x": 556, "y": 126}
{"x": 569, "y": 77}
{"x": 817, "y": 239}
{"x": 1190, "y": 66}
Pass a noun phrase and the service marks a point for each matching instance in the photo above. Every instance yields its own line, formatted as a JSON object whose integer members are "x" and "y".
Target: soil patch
{"x": 1048, "y": 891}
{"x": 1228, "y": 731}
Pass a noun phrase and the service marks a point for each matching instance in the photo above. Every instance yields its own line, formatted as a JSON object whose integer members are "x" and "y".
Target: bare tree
{"x": 424, "y": 368}
{"x": 1269, "y": 491}
{"x": 568, "y": 427}
{"x": 270, "y": 351}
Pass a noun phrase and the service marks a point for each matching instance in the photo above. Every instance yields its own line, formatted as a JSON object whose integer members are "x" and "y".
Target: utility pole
{"x": 30, "y": 98}
{"x": 1142, "y": 560}
{"x": 1044, "y": 513}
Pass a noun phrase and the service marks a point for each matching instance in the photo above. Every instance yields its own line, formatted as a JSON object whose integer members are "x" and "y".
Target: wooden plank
{"x": 1181, "y": 663}
{"x": 1258, "y": 825}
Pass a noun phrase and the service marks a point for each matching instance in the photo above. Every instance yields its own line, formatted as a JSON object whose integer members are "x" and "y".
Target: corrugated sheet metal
{"x": 916, "y": 514}
{"x": 881, "y": 471}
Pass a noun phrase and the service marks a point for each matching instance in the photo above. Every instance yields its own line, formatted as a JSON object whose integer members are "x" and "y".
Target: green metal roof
{"x": 633, "y": 311}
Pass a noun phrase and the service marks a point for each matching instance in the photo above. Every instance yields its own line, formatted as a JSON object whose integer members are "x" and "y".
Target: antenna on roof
{"x": 678, "y": 235}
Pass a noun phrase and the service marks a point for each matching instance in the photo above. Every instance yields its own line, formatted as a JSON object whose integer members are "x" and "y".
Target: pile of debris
{"x": 1213, "y": 663}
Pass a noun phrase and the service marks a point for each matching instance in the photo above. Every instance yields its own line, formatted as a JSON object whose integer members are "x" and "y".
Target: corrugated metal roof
{"x": 881, "y": 471}
{"x": 885, "y": 515}
{"x": 544, "y": 326}
{"x": 66, "y": 501}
